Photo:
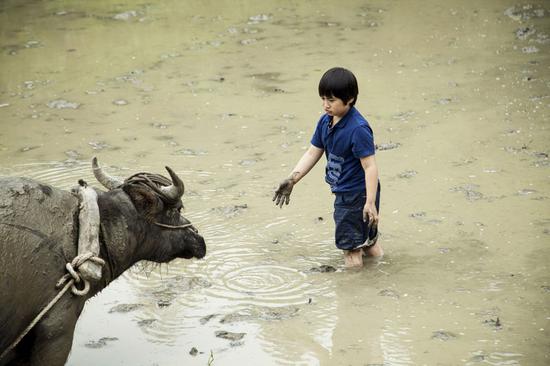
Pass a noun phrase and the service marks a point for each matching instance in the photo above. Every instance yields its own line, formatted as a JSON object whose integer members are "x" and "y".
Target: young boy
{"x": 346, "y": 138}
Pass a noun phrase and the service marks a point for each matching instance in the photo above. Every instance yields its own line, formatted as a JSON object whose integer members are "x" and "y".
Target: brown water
{"x": 225, "y": 93}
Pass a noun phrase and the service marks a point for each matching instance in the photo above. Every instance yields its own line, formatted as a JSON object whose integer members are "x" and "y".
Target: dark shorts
{"x": 351, "y": 231}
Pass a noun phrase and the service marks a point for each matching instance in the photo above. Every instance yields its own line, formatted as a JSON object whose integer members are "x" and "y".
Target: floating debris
{"x": 207, "y": 318}
{"x": 33, "y": 44}
{"x": 524, "y": 32}
{"x": 388, "y": 146}
{"x": 247, "y": 162}
{"x": 72, "y": 154}
{"x": 98, "y": 145}
{"x": 62, "y": 104}
{"x": 407, "y": 174}
{"x": 190, "y": 283}
{"x": 464, "y": 162}
{"x": 258, "y": 18}
{"x": 526, "y": 192}
{"x": 494, "y": 323}
{"x": 389, "y": 293}
{"x": 189, "y": 152}
{"x": 404, "y": 116}
{"x": 146, "y": 322}
{"x": 324, "y": 268}
{"x": 248, "y": 41}
{"x": 28, "y": 148}
{"x": 524, "y": 12}
{"x": 163, "y": 303}
{"x": 230, "y": 335}
{"x": 443, "y": 335}
{"x": 444, "y": 101}
{"x": 328, "y": 24}
{"x": 159, "y": 125}
{"x": 127, "y": 15}
{"x": 530, "y": 49}
{"x": 231, "y": 211}
{"x": 120, "y": 102}
{"x": 228, "y": 115}
{"x": 469, "y": 191}
{"x": 261, "y": 313}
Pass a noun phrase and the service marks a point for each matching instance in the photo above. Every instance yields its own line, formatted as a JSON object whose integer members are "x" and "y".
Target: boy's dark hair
{"x": 340, "y": 83}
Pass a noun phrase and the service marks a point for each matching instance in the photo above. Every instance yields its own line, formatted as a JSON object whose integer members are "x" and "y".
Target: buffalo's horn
{"x": 106, "y": 180}
{"x": 175, "y": 191}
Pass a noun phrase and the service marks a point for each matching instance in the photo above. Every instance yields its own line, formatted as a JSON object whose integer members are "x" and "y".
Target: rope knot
{"x": 75, "y": 276}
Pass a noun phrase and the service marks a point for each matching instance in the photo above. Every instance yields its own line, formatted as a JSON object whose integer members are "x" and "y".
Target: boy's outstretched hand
{"x": 282, "y": 194}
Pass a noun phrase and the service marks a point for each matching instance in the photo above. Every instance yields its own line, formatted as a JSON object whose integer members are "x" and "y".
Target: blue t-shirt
{"x": 344, "y": 144}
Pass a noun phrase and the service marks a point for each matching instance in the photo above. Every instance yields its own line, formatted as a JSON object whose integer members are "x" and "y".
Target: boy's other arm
{"x": 371, "y": 185}
{"x": 304, "y": 165}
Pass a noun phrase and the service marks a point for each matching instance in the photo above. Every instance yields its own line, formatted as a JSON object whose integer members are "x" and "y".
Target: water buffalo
{"x": 139, "y": 220}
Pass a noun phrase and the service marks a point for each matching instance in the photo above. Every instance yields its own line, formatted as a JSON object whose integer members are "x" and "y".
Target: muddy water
{"x": 225, "y": 93}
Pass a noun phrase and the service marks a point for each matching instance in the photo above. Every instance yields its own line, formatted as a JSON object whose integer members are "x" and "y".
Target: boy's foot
{"x": 353, "y": 258}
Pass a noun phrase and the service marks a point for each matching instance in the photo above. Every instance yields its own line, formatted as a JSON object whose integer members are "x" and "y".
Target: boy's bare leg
{"x": 373, "y": 251}
{"x": 353, "y": 258}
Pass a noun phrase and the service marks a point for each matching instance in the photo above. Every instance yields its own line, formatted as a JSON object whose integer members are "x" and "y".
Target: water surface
{"x": 225, "y": 94}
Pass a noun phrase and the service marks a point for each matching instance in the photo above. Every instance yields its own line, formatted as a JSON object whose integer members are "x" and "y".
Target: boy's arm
{"x": 371, "y": 185}
{"x": 304, "y": 165}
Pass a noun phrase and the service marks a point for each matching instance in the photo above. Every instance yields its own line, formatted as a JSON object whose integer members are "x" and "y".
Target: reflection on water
{"x": 225, "y": 94}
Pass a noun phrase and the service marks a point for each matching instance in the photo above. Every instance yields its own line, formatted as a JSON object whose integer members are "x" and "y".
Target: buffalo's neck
{"x": 120, "y": 242}
{"x": 119, "y": 236}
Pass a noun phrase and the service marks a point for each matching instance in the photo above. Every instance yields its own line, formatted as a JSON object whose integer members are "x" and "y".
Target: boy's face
{"x": 335, "y": 107}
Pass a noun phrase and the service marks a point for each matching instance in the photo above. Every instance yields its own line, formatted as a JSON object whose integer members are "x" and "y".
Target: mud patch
{"x": 100, "y": 343}
{"x": 125, "y": 308}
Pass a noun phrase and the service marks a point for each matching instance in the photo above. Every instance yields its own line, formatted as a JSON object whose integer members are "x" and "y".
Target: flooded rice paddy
{"x": 458, "y": 95}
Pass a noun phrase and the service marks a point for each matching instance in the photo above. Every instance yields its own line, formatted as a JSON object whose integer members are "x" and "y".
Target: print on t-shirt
{"x": 334, "y": 169}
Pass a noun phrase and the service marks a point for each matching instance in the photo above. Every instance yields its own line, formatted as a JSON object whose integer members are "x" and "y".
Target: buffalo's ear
{"x": 145, "y": 201}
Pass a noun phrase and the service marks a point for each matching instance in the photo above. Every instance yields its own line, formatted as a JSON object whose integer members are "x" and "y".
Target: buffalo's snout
{"x": 194, "y": 245}
{"x": 200, "y": 250}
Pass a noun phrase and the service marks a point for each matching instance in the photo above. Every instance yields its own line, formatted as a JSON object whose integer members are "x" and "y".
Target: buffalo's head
{"x": 157, "y": 201}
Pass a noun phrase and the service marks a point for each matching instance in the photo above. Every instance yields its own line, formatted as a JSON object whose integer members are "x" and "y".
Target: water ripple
{"x": 262, "y": 285}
